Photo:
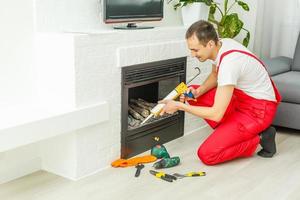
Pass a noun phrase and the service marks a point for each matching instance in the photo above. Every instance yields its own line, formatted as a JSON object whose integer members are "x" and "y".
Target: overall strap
{"x": 277, "y": 94}
{"x": 239, "y": 51}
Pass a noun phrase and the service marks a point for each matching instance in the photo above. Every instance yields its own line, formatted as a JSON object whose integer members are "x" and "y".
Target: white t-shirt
{"x": 243, "y": 71}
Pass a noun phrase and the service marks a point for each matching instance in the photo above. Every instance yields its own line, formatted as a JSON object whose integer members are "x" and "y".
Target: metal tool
{"x": 190, "y": 174}
{"x": 190, "y": 94}
{"x": 163, "y": 176}
{"x": 138, "y": 167}
{"x": 198, "y": 73}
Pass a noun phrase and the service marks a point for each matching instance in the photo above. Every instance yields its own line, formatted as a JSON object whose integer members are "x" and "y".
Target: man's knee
{"x": 207, "y": 156}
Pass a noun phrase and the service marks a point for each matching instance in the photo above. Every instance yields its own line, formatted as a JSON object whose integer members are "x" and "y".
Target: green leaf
{"x": 212, "y": 9}
{"x": 207, "y": 2}
{"x": 243, "y": 5}
{"x": 230, "y": 26}
{"x": 222, "y": 20}
{"x": 211, "y": 14}
{"x": 225, "y": 6}
{"x": 246, "y": 39}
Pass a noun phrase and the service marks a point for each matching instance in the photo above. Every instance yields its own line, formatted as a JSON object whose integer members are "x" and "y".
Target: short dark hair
{"x": 204, "y": 31}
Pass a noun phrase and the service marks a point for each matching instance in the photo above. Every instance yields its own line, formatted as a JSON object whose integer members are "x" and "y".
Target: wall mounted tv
{"x": 132, "y": 11}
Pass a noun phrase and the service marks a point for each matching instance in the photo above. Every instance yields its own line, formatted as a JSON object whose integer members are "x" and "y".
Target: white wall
{"x": 16, "y": 75}
{"x": 59, "y": 155}
{"x": 16, "y": 51}
{"x": 249, "y": 19}
{"x": 54, "y": 71}
{"x": 84, "y": 15}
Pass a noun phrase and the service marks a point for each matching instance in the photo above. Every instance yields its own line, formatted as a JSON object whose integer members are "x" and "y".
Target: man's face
{"x": 201, "y": 52}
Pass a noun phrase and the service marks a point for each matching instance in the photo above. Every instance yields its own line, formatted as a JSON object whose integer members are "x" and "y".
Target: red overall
{"x": 237, "y": 134}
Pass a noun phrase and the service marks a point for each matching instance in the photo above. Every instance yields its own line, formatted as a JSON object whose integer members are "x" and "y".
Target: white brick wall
{"x": 193, "y": 123}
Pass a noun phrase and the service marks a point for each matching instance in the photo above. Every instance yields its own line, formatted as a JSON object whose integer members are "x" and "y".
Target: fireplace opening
{"x": 143, "y": 98}
{"x": 142, "y": 87}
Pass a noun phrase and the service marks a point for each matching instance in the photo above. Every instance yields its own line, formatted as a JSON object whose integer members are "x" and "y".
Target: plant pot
{"x": 194, "y": 12}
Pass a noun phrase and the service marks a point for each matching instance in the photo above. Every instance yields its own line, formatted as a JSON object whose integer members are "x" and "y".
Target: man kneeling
{"x": 238, "y": 99}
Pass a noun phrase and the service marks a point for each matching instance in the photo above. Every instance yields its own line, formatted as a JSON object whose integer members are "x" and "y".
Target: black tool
{"x": 190, "y": 174}
{"x": 163, "y": 176}
{"x": 138, "y": 167}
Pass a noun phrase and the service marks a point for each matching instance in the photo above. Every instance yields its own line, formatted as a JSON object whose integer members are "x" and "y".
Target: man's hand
{"x": 195, "y": 92}
{"x": 216, "y": 112}
{"x": 170, "y": 107}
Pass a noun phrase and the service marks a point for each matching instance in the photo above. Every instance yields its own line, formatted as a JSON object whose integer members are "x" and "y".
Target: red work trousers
{"x": 237, "y": 134}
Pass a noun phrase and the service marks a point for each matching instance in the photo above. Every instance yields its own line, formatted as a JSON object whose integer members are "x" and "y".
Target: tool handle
{"x": 196, "y": 174}
{"x": 137, "y": 173}
{"x": 170, "y": 176}
{"x": 161, "y": 175}
{"x": 166, "y": 179}
{"x": 190, "y": 95}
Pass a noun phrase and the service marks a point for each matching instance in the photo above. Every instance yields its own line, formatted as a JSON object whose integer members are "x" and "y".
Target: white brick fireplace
{"x": 80, "y": 73}
{"x": 98, "y": 62}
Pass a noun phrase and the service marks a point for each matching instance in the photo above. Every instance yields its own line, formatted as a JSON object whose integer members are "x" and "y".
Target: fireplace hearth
{"x": 142, "y": 86}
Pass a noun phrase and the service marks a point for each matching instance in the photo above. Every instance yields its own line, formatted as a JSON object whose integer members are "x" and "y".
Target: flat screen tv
{"x": 132, "y": 11}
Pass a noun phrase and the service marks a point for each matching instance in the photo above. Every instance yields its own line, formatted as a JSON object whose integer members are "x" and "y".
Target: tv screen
{"x": 132, "y": 10}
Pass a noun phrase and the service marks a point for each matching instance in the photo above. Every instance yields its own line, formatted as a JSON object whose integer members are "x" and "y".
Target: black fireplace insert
{"x": 142, "y": 86}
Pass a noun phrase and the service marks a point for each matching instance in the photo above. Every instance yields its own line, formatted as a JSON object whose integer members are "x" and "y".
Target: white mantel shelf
{"x": 25, "y": 124}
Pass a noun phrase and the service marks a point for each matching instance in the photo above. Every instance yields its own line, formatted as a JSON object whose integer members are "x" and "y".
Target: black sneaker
{"x": 267, "y": 143}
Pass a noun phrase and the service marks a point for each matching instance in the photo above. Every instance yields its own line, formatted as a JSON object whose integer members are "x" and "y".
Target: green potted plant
{"x": 229, "y": 24}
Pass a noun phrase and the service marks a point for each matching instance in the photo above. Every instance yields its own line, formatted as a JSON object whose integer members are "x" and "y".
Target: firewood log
{"x": 146, "y": 103}
{"x": 135, "y": 114}
{"x": 145, "y": 113}
{"x": 140, "y": 104}
{"x": 133, "y": 122}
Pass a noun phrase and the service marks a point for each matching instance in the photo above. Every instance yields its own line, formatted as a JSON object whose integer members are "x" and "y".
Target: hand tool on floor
{"x": 180, "y": 89}
{"x": 190, "y": 174}
{"x": 167, "y": 162}
{"x": 160, "y": 151}
{"x": 138, "y": 167}
{"x": 133, "y": 161}
{"x": 163, "y": 176}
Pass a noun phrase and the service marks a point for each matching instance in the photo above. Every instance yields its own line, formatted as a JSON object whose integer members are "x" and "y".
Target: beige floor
{"x": 251, "y": 178}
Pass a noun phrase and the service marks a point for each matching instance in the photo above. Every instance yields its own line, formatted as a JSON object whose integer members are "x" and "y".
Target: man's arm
{"x": 209, "y": 83}
{"x": 217, "y": 111}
